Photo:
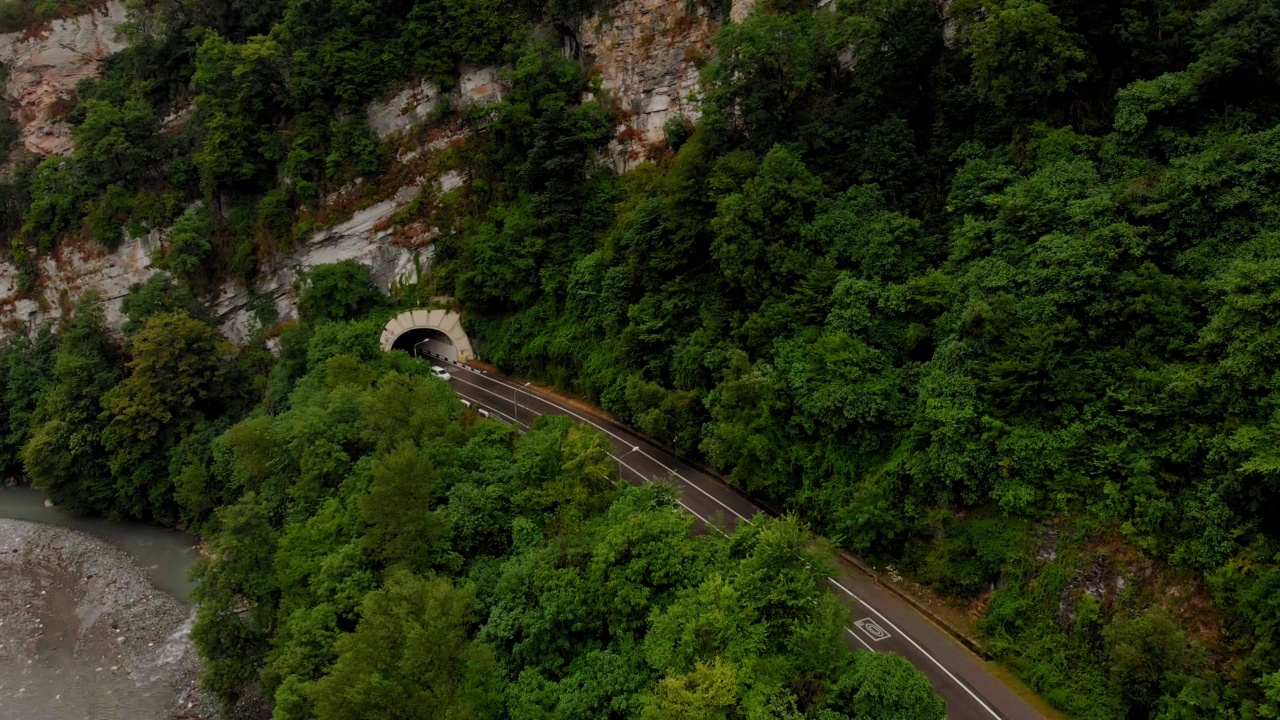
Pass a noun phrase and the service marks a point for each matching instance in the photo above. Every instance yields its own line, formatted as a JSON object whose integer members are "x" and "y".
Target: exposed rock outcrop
{"x": 366, "y": 238}
{"x": 478, "y": 86}
{"x": 45, "y": 65}
{"x": 740, "y": 9}
{"x": 410, "y": 106}
{"x": 646, "y": 54}
{"x": 414, "y": 104}
{"x": 68, "y": 273}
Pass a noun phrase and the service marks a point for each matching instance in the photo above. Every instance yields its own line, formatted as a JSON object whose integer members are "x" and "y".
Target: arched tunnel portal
{"x": 421, "y": 341}
{"x": 418, "y": 332}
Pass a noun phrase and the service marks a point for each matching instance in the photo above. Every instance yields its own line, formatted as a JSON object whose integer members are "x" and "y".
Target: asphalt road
{"x": 878, "y": 621}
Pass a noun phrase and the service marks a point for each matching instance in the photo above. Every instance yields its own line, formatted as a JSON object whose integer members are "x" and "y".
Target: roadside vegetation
{"x": 997, "y": 311}
{"x": 990, "y": 297}
{"x": 375, "y": 549}
{"x": 390, "y": 555}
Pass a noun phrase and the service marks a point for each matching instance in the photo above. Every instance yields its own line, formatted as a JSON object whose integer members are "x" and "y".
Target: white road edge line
{"x": 617, "y": 459}
{"x": 858, "y": 637}
{"x": 615, "y": 436}
{"x": 922, "y": 651}
{"x": 916, "y": 645}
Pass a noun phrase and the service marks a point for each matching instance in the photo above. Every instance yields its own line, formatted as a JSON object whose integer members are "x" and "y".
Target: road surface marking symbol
{"x": 869, "y": 626}
{"x": 922, "y": 651}
{"x": 935, "y": 661}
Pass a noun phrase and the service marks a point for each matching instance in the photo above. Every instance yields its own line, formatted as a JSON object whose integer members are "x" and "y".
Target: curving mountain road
{"x": 878, "y": 621}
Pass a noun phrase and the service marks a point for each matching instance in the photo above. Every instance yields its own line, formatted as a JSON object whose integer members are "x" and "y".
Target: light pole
{"x": 515, "y": 400}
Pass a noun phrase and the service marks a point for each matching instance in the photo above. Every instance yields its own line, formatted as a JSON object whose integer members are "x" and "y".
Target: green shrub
{"x": 338, "y": 291}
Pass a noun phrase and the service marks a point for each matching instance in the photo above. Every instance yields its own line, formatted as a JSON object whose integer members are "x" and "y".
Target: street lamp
{"x": 515, "y": 400}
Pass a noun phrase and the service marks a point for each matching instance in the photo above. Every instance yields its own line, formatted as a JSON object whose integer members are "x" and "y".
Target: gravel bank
{"x": 84, "y": 635}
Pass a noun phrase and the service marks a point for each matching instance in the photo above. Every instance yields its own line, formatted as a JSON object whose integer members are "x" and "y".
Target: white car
{"x": 440, "y": 372}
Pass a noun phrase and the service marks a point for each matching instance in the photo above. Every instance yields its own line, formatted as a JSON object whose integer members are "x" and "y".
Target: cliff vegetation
{"x": 987, "y": 291}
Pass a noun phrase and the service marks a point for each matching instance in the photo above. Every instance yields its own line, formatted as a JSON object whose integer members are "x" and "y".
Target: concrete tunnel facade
{"x": 436, "y": 331}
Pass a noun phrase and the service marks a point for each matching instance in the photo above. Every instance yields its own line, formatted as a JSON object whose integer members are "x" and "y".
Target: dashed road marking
{"x": 963, "y": 686}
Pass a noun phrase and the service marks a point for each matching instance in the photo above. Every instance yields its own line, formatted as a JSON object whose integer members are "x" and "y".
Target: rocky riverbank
{"x": 85, "y": 635}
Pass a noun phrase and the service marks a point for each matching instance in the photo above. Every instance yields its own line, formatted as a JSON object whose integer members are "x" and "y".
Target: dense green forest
{"x": 989, "y": 294}
{"x": 377, "y": 550}
{"x": 428, "y": 565}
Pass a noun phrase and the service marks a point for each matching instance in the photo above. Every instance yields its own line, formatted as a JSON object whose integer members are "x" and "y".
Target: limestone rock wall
{"x": 366, "y": 238}
{"x": 71, "y": 271}
{"x": 740, "y": 9}
{"x": 410, "y": 106}
{"x": 45, "y": 64}
{"x": 646, "y": 54}
{"x": 414, "y": 104}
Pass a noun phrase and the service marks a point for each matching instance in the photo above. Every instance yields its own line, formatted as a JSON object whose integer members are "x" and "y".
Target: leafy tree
{"x": 1148, "y": 653}
{"x": 410, "y": 657}
{"x": 403, "y": 528}
{"x": 764, "y": 68}
{"x": 337, "y": 291}
{"x": 58, "y": 189}
{"x": 65, "y": 457}
{"x": 758, "y": 240}
{"x": 188, "y": 246}
{"x": 745, "y": 428}
{"x": 116, "y": 139}
{"x": 880, "y": 686}
{"x": 236, "y": 83}
{"x": 545, "y": 136}
{"x": 158, "y": 295}
{"x": 708, "y": 692}
{"x": 708, "y": 621}
{"x": 178, "y": 378}
{"x": 236, "y": 587}
{"x": 24, "y": 380}
{"x": 1022, "y": 54}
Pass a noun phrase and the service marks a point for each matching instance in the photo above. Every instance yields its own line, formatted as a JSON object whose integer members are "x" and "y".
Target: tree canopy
{"x": 984, "y": 292}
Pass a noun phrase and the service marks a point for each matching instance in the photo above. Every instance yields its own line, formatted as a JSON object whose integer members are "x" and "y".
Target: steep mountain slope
{"x": 982, "y": 290}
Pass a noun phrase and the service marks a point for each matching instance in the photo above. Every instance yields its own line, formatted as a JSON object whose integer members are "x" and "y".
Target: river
{"x": 165, "y": 555}
{"x": 95, "y": 617}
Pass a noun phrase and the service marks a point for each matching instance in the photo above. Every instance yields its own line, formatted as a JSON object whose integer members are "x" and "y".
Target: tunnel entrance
{"x": 435, "y": 331}
{"x": 423, "y": 342}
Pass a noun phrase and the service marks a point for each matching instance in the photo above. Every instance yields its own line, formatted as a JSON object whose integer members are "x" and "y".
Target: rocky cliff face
{"x": 740, "y": 9}
{"x": 70, "y": 271}
{"x": 75, "y": 269}
{"x": 46, "y": 63}
{"x": 414, "y": 105}
{"x": 646, "y": 53}
{"x": 367, "y": 237}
